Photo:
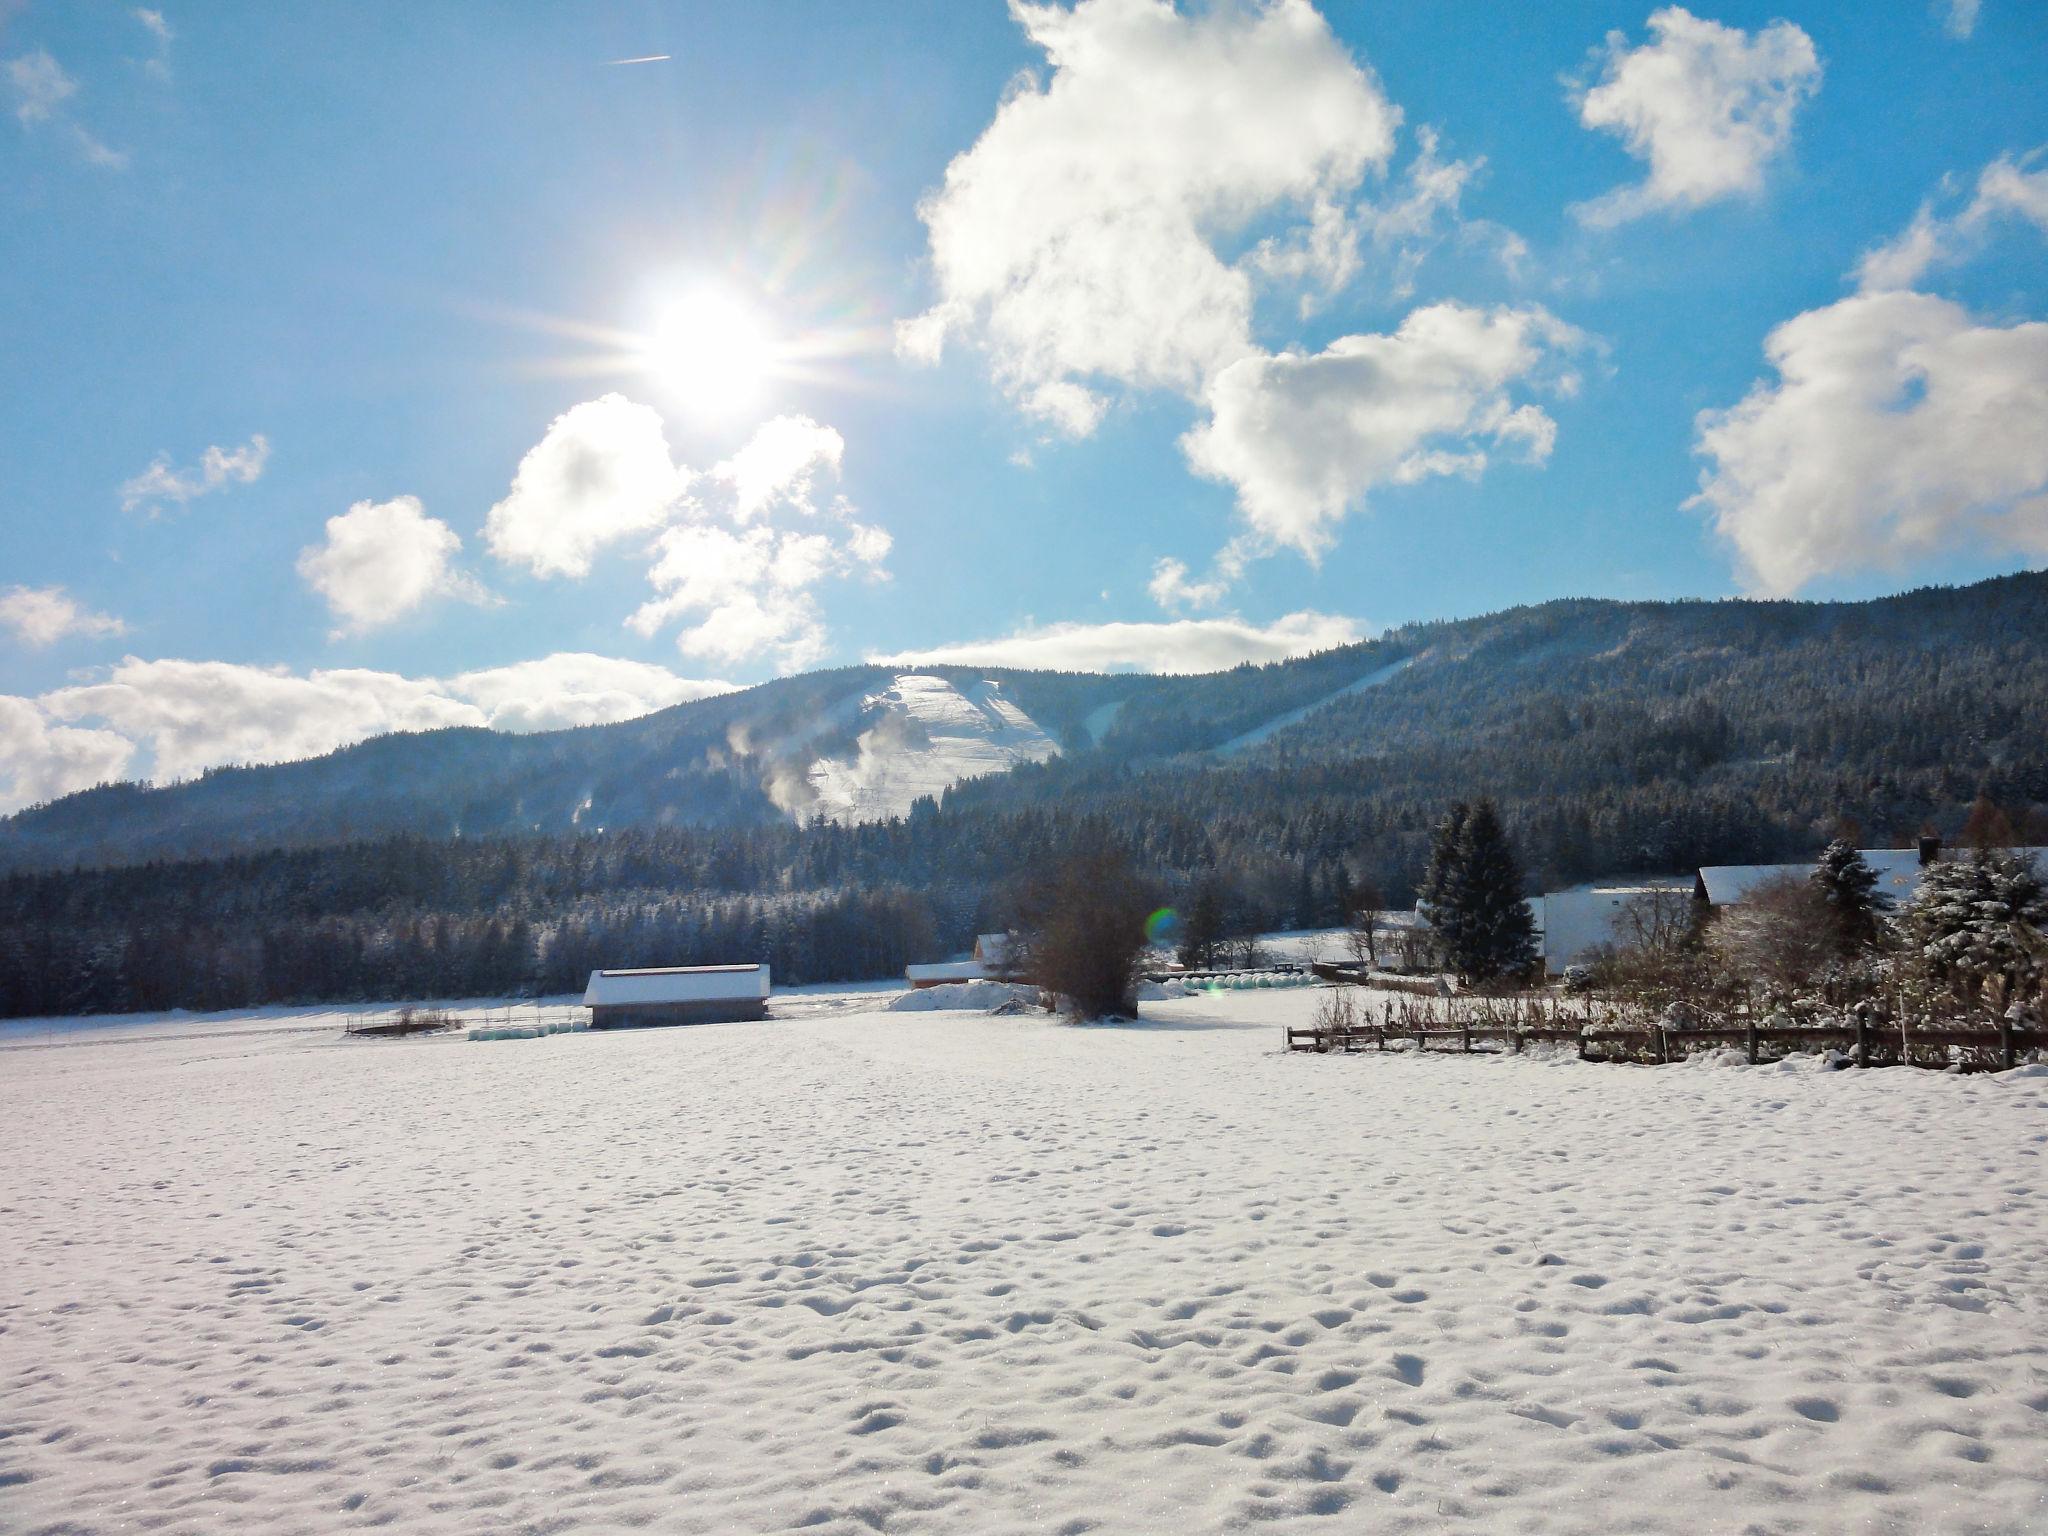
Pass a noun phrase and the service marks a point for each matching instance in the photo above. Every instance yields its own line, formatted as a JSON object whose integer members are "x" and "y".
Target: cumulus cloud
{"x": 576, "y": 688}
{"x": 381, "y": 561}
{"x": 187, "y": 716}
{"x": 40, "y": 760}
{"x": 779, "y": 464}
{"x": 601, "y": 473}
{"x": 1707, "y": 106}
{"x": 1078, "y": 235}
{"x": 1898, "y": 427}
{"x": 1180, "y": 645}
{"x": 195, "y": 714}
{"x": 41, "y": 616}
{"x": 218, "y": 467}
{"x": 1172, "y": 587}
{"x": 747, "y": 586}
{"x": 2006, "y": 188}
{"x": 1303, "y": 437}
{"x": 1959, "y": 18}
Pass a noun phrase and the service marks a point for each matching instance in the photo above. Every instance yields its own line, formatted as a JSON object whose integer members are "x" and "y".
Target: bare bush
{"x": 1082, "y": 932}
{"x": 1781, "y": 935}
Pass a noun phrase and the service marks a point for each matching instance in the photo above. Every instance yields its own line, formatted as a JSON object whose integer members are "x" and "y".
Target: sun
{"x": 712, "y": 352}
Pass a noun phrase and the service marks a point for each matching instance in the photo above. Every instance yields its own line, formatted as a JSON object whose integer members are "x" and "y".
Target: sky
{"x": 376, "y": 368}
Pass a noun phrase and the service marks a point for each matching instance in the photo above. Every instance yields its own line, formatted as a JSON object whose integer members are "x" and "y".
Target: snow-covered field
{"x": 854, "y": 1271}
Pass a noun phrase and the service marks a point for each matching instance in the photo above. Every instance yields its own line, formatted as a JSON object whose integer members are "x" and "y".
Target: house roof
{"x": 676, "y": 984}
{"x": 946, "y": 970}
{"x": 1897, "y": 870}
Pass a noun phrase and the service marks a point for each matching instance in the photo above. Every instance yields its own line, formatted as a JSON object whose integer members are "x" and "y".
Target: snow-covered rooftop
{"x": 676, "y": 984}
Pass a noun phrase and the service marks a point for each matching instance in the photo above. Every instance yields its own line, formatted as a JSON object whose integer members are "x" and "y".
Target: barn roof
{"x": 676, "y": 984}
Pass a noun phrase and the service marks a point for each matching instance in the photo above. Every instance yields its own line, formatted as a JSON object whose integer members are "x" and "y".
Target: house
{"x": 989, "y": 962}
{"x": 1576, "y": 922}
{"x": 1898, "y": 872}
{"x": 677, "y": 994}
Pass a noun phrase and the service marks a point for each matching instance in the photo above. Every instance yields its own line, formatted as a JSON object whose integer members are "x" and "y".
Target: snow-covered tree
{"x": 1962, "y": 922}
{"x": 1855, "y": 905}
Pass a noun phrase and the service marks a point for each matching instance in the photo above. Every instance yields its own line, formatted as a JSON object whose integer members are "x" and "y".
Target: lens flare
{"x": 1162, "y": 927}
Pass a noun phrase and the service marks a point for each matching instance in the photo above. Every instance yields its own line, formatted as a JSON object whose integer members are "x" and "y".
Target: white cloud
{"x": 38, "y": 85}
{"x": 1304, "y": 437}
{"x": 778, "y": 465}
{"x": 1181, "y": 645}
{"x": 381, "y": 561}
{"x": 193, "y": 715}
{"x": 601, "y": 473}
{"x": 1708, "y": 106}
{"x": 576, "y": 688}
{"x": 1899, "y": 428}
{"x": 187, "y": 716}
{"x": 1172, "y": 588}
{"x": 750, "y": 587}
{"x": 41, "y": 616}
{"x": 1078, "y": 235}
{"x": 747, "y": 585}
{"x": 218, "y": 467}
{"x": 2005, "y": 187}
{"x": 40, "y": 761}
{"x": 157, "y": 67}
{"x": 40, "y": 92}
{"x": 1960, "y": 18}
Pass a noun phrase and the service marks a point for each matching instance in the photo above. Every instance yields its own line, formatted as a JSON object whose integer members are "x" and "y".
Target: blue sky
{"x": 373, "y": 368}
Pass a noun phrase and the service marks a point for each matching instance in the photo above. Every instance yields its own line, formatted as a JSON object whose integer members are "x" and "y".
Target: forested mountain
{"x": 1616, "y": 737}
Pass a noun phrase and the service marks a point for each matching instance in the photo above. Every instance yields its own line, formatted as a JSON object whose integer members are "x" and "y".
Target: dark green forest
{"x": 1614, "y": 737}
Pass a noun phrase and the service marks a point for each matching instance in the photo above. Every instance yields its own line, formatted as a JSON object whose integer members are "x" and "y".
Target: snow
{"x": 1101, "y": 719}
{"x": 850, "y": 1271}
{"x": 923, "y": 736}
{"x": 1279, "y": 723}
{"x": 957, "y": 996}
{"x": 677, "y": 984}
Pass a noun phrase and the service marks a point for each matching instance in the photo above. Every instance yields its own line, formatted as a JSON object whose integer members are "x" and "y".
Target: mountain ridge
{"x": 761, "y": 754}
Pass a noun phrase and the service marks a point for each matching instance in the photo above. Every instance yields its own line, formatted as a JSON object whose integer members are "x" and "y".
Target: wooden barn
{"x": 677, "y": 994}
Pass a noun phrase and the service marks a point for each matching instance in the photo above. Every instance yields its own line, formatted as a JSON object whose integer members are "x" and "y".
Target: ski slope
{"x": 1263, "y": 733}
{"x": 923, "y": 736}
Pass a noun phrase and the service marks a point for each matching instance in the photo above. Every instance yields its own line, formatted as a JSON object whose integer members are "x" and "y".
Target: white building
{"x": 677, "y": 994}
{"x": 989, "y": 962}
{"x": 1576, "y": 922}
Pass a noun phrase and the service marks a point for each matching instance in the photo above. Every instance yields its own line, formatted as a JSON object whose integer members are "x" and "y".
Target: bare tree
{"x": 1083, "y": 934}
{"x": 1368, "y": 915}
{"x": 1656, "y": 922}
{"x": 1782, "y": 934}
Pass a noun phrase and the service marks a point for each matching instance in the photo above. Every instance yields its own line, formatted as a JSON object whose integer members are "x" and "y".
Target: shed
{"x": 677, "y": 994}
{"x": 942, "y": 972}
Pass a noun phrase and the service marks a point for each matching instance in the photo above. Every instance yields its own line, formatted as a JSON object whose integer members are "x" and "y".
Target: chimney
{"x": 1930, "y": 850}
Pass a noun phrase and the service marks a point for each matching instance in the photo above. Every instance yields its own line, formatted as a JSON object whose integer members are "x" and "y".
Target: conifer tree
{"x": 1495, "y": 934}
{"x": 1855, "y": 905}
{"x": 1962, "y": 921}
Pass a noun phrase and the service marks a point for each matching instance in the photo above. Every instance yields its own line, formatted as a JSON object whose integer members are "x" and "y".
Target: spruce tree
{"x": 1437, "y": 896}
{"x": 1855, "y": 904}
{"x": 1494, "y": 932}
{"x": 1962, "y": 921}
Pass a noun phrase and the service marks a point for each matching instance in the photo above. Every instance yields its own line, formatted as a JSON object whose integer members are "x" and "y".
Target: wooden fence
{"x": 1866, "y": 1042}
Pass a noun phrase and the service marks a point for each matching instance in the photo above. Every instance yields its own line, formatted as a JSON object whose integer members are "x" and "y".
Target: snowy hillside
{"x": 923, "y": 735}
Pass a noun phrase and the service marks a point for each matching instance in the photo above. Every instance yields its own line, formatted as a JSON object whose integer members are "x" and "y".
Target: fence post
{"x": 1752, "y": 1040}
{"x": 2005, "y": 1046}
{"x": 1905, "y": 1042}
{"x": 1862, "y": 1037}
{"x": 1465, "y": 1039}
{"x": 1663, "y": 1045}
